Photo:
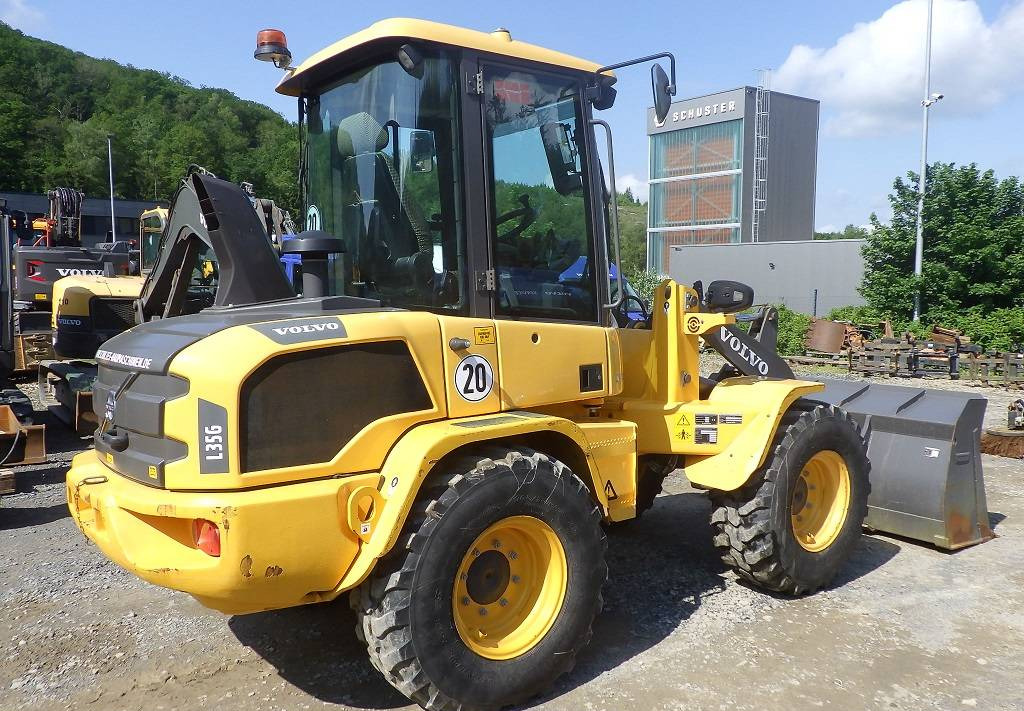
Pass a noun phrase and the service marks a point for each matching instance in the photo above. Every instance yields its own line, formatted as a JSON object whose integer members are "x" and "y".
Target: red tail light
{"x": 206, "y": 536}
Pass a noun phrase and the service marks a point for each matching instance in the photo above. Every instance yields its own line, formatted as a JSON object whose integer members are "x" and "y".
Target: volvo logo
{"x": 309, "y": 328}
{"x": 68, "y": 271}
{"x": 741, "y": 349}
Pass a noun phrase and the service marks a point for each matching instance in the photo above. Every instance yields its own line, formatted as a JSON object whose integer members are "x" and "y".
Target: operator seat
{"x": 386, "y": 234}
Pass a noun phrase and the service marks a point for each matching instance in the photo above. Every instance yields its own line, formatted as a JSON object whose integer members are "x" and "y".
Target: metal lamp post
{"x": 110, "y": 166}
{"x": 926, "y": 103}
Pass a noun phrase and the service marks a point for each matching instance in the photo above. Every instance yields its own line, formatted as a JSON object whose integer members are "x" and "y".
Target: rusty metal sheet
{"x": 826, "y": 336}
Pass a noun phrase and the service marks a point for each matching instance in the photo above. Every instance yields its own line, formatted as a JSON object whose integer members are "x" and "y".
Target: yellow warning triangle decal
{"x": 609, "y": 491}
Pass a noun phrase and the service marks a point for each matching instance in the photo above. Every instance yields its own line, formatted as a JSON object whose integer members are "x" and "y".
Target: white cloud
{"x": 638, "y": 186}
{"x": 19, "y": 14}
{"x": 871, "y": 80}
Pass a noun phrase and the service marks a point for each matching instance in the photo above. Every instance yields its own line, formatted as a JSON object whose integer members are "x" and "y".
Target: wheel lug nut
{"x": 504, "y": 602}
{"x": 465, "y": 600}
{"x": 483, "y": 612}
{"x": 515, "y": 579}
{"x": 496, "y": 543}
{"x": 513, "y": 555}
{"x": 475, "y": 552}
{"x": 463, "y": 576}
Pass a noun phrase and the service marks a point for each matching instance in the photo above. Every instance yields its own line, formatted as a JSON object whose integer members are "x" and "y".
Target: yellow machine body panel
{"x": 312, "y": 540}
{"x": 276, "y": 544}
{"x": 543, "y": 363}
{"x": 71, "y": 295}
{"x": 240, "y": 350}
{"x": 499, "y": 43}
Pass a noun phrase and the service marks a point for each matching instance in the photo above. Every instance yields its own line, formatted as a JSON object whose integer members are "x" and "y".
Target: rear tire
{"x": 795, "y": 523}
{"x": 517, "y": 535}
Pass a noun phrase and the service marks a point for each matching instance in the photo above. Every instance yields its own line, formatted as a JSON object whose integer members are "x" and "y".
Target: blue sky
{"x": 862, "y": 59}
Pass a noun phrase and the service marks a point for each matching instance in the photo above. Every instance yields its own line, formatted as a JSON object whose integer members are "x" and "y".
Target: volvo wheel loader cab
{"x": 445, "y": 438}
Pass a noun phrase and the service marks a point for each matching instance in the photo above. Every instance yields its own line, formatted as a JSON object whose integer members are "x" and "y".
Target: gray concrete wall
{"x": 780, "y": 272}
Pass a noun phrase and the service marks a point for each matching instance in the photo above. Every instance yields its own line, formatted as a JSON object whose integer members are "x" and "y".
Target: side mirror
{"x": 421, "y": 151}
{"x": 662, "y": 89}
{"x": 728, "y": 297}
{"x": 561, "y": 153}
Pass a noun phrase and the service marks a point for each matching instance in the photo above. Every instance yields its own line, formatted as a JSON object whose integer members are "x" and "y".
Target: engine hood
{"x": 150, "y": 347}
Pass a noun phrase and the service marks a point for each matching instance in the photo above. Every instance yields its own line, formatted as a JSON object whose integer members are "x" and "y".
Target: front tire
{"x": 493, "y": 587}
{"x": 795, "y": 523}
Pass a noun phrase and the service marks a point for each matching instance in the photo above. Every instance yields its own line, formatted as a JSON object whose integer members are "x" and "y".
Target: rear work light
{"x": 206, "y": 536}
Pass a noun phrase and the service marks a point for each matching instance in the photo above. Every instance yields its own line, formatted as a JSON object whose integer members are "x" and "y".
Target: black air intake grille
{"x": 112, "y": 314}
{"x": 303, "y": 408}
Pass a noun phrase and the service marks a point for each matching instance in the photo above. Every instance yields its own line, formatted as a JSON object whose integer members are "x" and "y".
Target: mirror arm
{"x": 661, "y": 55}
{"x": 615, "y": 212}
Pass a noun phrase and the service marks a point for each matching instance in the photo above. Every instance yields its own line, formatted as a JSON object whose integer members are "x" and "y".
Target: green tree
{"x": 849, "y": 232}
{"x": 58, "y": 107}
{"x": 973, "y": 246}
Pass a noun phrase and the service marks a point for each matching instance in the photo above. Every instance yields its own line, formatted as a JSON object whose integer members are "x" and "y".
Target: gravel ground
{"x": 904, "y": 627}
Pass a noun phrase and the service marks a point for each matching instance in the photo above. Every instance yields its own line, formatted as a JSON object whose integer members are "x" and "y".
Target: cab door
{"x": 547, "y": 265}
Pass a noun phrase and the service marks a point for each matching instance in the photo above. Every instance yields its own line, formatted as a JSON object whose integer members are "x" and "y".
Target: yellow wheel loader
{"x": 445, "y": 437}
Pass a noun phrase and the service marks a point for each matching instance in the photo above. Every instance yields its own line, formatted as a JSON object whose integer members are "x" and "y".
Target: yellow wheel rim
{"x": 820, "y": 501}
{"x": 509, "y": 587}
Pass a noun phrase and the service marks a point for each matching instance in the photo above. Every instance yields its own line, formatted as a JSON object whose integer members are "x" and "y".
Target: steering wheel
{"x": 525, "y": 214}
{"x": 622, "y": 312}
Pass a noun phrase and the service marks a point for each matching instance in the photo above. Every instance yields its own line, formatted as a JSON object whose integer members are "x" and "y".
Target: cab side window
{"x": 542, "y": 237}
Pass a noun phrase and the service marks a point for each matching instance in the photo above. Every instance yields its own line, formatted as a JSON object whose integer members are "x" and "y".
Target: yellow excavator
{"x": 445, "y": 433}
{"x": 89, "y": 309}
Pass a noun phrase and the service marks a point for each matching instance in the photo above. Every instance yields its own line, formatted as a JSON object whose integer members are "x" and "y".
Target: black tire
{"x": 404, "y": 609}
{"x": 752, "y": 526}
{"x": 651, "y": 472}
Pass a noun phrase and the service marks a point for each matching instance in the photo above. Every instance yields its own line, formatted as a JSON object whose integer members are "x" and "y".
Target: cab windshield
{"x": 381, "y": 158}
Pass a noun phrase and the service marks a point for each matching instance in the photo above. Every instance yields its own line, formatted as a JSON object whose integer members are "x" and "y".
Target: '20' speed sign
{"x": 474, "y": 378}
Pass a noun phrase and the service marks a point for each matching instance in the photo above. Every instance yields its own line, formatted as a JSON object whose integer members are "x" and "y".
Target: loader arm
{"x": 218, "y": 214}
{"x": 756, "y": 354}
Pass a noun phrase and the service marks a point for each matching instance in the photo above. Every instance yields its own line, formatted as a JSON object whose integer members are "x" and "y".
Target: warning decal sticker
{"x": 731, "y": 419}
{"x": 705, "y": 419}
{"x": 706, "y": 435}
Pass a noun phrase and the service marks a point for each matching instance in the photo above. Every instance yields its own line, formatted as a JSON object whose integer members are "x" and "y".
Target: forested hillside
{"x": 57, "y": 107}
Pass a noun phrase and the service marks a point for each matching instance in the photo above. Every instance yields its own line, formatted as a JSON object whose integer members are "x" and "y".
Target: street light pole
{"x": 110, "y": 166}
{"x": 926, "y": 103}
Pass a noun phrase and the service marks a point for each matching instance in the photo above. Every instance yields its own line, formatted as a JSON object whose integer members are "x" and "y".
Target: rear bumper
{"x": 280, "y": 546}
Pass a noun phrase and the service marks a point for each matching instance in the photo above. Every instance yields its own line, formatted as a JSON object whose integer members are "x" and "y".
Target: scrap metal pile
{"x": 873, "y": 349}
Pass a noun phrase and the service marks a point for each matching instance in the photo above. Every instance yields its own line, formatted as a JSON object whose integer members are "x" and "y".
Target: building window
{"x": 696, "y": 188}
{"x": 701, "y": 201}
{"x": 702, "y": 149}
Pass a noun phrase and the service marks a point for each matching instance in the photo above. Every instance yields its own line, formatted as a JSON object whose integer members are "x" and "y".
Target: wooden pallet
{"x": 997, "y": 369}
{"x": 8, "y": 483}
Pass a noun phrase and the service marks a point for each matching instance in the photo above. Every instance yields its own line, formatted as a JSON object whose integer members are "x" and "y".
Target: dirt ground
{"x": 904, "y": 627}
